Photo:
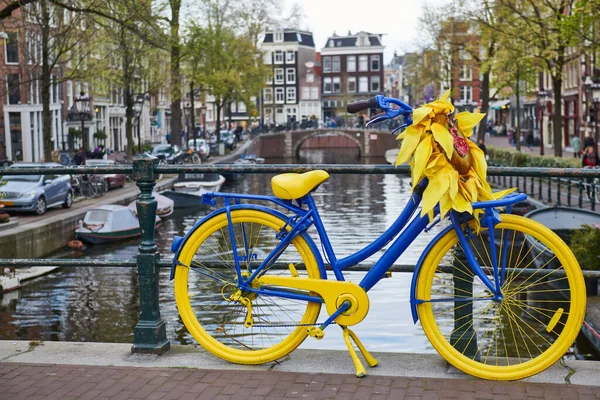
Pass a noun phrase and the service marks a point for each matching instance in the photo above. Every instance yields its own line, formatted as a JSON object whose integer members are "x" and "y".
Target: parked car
{"x": 35, "y": 193}
{"x": 201, "y": 146}
{"x": 112, "y": 180}
{"x": 229, "y": 138}
{"x": 169, "y": 153}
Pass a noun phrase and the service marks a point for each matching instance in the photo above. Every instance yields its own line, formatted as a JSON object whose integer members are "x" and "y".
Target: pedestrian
{"x": 576, "y": 143}
{"x": 511, "y": 138}
{"x": 530, "y": 141}
{"x": 78, "y": 159}
{"x": 483, "y": 148}
{"x": 589, "y": 141}
{"x": 590, "y": 160}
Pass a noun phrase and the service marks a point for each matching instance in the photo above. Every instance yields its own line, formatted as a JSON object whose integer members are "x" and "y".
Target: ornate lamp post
{"x": 81, "y": 112}
{"x": 592, "y": 96}
{"x": 138, "y": 107}
{"x": 203, "y": 111}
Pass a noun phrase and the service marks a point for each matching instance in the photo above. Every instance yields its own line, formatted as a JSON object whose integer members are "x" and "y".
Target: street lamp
{"x": 81, "y": 112}
{"x": 203, "y": 111}
{"x": 592, "y": 96}
{"x": 138, "y": 106}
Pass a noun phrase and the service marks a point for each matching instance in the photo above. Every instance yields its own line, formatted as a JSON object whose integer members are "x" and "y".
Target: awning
{"x": 499, "y": 105}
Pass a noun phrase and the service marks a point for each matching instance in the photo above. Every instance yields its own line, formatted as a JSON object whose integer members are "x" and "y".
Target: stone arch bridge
{"x": 370, "y": 143}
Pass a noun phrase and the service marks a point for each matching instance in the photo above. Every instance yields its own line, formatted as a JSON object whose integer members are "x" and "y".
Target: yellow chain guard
{"x": 334, "y": 293}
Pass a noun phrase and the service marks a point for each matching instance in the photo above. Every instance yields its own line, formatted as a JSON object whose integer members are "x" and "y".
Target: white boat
{"x": 189, "y": 188}
{"x": 107, "y": 223}
{"x": 164, "y": 207}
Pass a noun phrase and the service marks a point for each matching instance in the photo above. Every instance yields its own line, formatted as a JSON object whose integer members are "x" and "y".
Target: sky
{"x": 397, "y": 19}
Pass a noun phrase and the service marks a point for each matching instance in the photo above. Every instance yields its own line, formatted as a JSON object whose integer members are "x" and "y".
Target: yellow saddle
{"x": 294, "y": 186}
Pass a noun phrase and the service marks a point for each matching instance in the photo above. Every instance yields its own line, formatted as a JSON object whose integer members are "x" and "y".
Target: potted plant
{"x": 585, "y": 244}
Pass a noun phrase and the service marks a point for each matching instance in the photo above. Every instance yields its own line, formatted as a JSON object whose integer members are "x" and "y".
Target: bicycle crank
{"x": 334, "y": 294}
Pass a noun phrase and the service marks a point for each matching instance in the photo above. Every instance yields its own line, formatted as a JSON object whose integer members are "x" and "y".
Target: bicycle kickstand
{"x": 372, "y": 361}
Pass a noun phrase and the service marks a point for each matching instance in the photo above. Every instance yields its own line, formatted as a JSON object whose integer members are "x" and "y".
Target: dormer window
{"x": 363, "y": 40}
{"x": 278, "y": 36}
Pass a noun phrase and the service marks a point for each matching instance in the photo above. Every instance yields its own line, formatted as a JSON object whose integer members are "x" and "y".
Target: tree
{"x": 224, "y": 65}
{"x": 549, "y": 30}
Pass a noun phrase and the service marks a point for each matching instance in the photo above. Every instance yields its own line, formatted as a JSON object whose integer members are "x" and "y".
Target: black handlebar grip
{"x": 361, "y": 105}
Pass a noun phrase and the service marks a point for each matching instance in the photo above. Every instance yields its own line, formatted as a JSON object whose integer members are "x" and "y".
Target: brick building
{"x": 352, "y": 69}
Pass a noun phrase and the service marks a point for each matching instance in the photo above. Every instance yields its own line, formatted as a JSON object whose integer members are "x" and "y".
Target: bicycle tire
{"x": 543, "y": 310}
{"x": 87, "y": 189}
{"x": 212, "y": 321}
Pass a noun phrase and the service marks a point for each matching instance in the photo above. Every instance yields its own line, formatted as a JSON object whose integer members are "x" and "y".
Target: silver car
{"x": 35, "y": 192}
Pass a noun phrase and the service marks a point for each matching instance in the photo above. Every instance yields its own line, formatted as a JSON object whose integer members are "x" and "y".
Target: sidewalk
{"x": 502, "y": 142}
{"x": 65, "y": 382}
{"x": 67, "y": 370}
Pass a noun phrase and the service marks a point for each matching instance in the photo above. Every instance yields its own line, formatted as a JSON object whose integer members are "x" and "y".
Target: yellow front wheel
{"x": 524, "y": 332}
{"x": 242, "y": 326}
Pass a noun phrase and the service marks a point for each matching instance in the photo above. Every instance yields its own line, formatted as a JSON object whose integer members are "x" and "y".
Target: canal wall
{"x": 46, "y": 235}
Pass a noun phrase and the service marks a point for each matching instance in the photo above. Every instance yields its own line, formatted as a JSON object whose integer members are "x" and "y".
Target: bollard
{"x": 463, "y": 337}
{"x": 150, "y": 331}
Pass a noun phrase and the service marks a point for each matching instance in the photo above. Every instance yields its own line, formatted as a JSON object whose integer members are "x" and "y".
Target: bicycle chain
{"x": 289, "y": 325}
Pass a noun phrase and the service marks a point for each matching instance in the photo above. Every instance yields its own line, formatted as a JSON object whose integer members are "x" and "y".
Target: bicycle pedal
{"x": 315, "y": 332}
{"x": 388, "y": 274}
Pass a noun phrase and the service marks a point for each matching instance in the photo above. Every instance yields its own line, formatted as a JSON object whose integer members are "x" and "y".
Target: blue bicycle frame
{"x": 410, "y": 228}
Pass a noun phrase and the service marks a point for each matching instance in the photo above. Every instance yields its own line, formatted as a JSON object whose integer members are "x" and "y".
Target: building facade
{"x": 291, "y": 90}
{"x": 352, "y": 69}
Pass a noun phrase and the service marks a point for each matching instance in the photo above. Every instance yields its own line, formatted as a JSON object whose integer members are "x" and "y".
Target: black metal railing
{"x": 150, "y": 332}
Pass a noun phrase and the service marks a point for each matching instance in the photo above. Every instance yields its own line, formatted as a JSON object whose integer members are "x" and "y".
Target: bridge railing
{"x": 150, "y": 331}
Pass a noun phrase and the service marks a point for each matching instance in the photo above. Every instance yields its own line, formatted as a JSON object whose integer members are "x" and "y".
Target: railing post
{"x": 150, "y": 331}
{"x": 463, "y": 337}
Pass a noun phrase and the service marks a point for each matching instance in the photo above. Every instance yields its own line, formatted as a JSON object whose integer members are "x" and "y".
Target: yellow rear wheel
{"x": 215, "y": 311}
{"x": 526, "y": 331}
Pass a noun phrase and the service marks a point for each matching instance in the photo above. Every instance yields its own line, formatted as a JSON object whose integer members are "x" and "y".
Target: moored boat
{"x": 107, "y": 223}
{"x": 189, "y": 188}
{"x": 164, "y": 206}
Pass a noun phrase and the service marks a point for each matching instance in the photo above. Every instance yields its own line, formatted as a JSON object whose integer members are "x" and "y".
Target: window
{"x": 363, "y": 63}
{"x": 363, "y": 84}
{"x": 14, "y": 89}
{"x": 310, "y": 77}
{"x": 352, "y": 84}
{"x": 278, "y": 75}
{"x": 279, "y": 95}
{"x": 314, "y": 93}
{"x": 278, "y": 57}
{"x": 464, "y": 55}
{"x": 375, "y": 63}
{"x": 327, "y": 85}
{"x": 336, "y": 84}
{"x": 351, "y": 63}
{"x": 466, "y": 73}
{"x": 269, "y": 79}
{"x": 326, "y": 64}
{"x": 290, "y": 94}
{"x": 11, "y": 48}
{"x": 335, "y": 64}
{"x": 290, "y": 57}
{"x": 466, "y": 94}
{"x": 267, "y": 59}
{"x": 375, "y": 84}
{"x": 305, "y": 93}
{"x": 268, "y": 95}
{"x": 290, "y": 75}
{"x": 241, "y": 107}
{"x": 278, "y": 36}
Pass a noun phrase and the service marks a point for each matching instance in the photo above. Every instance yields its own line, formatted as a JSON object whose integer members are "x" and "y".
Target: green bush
{"x": 514, "y": 158}
{"x": 146, "y": 147}
{"x": 585, "y": 244}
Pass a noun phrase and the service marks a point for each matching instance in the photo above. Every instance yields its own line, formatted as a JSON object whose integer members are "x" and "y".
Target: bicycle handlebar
{"x": 361, "y": 105}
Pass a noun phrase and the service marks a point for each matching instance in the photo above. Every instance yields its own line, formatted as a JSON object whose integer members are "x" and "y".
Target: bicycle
{"x": 499, "y": 296}
{"x": 89, "y": 186}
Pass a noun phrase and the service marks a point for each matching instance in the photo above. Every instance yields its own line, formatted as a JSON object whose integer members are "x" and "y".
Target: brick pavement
{"x": 64, "y": 382}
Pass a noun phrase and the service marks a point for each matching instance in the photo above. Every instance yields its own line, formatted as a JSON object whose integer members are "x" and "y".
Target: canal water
{"x": 102, "y": 304}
